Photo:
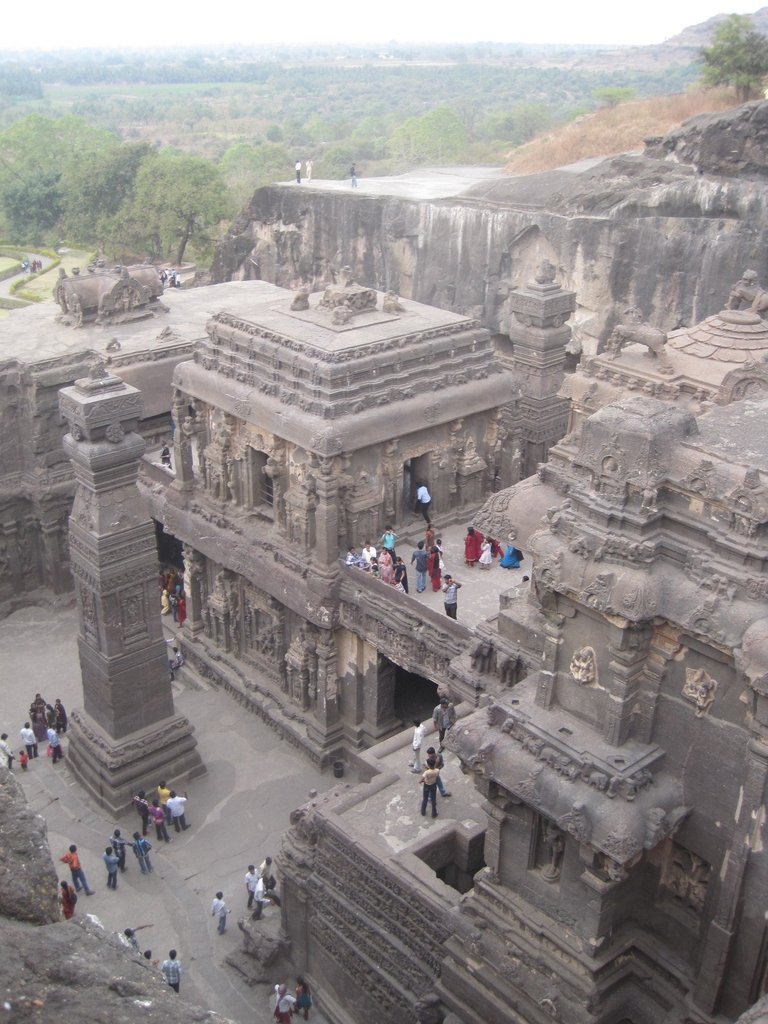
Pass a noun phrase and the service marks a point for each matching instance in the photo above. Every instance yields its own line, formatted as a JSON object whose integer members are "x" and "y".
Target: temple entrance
{"x": 169, "y": 548}
{"x": 415, "y": 471}
{"x": 415, "y": 696}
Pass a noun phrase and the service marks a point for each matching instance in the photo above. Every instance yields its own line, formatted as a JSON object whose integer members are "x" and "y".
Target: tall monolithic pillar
{"x": 128, "y": 735}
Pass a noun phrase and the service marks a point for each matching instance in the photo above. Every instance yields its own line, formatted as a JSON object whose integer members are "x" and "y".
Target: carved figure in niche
{"x": 583, "y": 667}
{"x": 687, "y": 877}
{"x": 634, "y": 329}
{"x": 699, "y": 687}
{"x": 555, "y": 842}
{"x": 610, "y": 868}
{"x": 545, "y": 272}
{"x": 391, "y": 303}
{"x": 301, "y": 299}
{"x": 744, "y": 291}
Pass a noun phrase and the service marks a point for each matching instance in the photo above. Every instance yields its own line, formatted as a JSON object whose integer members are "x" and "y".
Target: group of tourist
{"x": 287, "y": 1004}
{"x": 169, "y": 277}
{"x": 482, "y": 551}
{"x": 443, "y": 720}
{"x": 46, "y": 725}
{"x": 33, "y": 266}
{"x": 173, "y": 599}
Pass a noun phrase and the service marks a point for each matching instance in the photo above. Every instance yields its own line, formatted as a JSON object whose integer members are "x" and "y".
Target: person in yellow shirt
{"x": 428, "y": 782}
{"x": 162, "y": 795}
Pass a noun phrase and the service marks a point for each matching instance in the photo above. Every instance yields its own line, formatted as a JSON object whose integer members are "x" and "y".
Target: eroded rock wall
{"x": 628, "y": 231}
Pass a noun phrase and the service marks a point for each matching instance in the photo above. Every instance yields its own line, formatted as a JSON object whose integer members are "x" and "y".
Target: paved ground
{"x": 423, "y": 183}
{"x": 237, "y": 811}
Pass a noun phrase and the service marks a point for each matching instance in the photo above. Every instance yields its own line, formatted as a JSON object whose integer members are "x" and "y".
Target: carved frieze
{"x": 699, "y": 688}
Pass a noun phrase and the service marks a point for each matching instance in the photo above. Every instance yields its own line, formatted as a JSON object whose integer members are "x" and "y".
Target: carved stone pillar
{"x": 539, "y": 333}
{"x": 185, "y": 428}
{"x": 128, "y": 734}
{"x": 54, "y": 570}
{"x": 193, "y": 571}
{"x": 325, "y": 727}
{"x": 724, "y": 922}
{"x": 326, "y": 514}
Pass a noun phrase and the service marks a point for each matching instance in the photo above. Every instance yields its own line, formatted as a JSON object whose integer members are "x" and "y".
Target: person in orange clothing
{"x": 78, "y": 875}
{"x": 68, "y": 899}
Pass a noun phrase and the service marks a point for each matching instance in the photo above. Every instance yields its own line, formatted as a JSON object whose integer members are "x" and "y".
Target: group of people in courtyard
{"x": 428, "y": 768}
{"x": 428, "y": 560}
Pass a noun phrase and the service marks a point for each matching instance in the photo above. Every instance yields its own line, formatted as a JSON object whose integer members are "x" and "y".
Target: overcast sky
{"x": 52, "y": 24}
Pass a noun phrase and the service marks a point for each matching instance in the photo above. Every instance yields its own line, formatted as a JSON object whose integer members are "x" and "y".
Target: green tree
{"x": 613, "y": 95}
{"x": 738, "y": 57}
{"x": 176, "y": 199}
{"x": 93, "y": 195}
{"x": 437, "y": 136}
{"x": 32, "y": 206}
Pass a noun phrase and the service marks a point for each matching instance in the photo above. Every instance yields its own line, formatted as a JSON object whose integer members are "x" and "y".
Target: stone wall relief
{"x": 301, "y": 668}
{"x": 699, "y": 688}
{"x": 583, "y": 666}
{"x": 686, "y": 877}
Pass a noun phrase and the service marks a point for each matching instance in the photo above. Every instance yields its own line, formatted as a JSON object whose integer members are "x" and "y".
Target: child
{"x": 23, "y": 759}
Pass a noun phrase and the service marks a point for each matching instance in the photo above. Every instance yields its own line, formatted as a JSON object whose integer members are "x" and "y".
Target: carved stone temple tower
{"x": 128, "y": 733}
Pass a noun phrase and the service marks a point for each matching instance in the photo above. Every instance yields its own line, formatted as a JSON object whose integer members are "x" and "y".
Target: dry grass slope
{"x": 613, "y": 130}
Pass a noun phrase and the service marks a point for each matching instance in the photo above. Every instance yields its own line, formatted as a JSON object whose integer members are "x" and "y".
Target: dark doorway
{"x": 415, "y": 696}
{"x": 169, "y": 548}
{"x": 415, "y": 472}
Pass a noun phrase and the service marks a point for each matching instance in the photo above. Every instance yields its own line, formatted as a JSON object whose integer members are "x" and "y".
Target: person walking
{"x": 451, "y": 599}
{"x": 118, "y": 845}
{"x": 401, "y": 574}
{"x": 29, "y": 740}
{"x": 444, "y": 718}
{"x": 434, "y": 562}
{"x": 141, "y": 848}
{"x": 55, "y": 744}
{"x": 112, "y": 862}
{"x": 68, "y": 898}
{"x": 219, "y": 911}
{"x": 303, "y": 997}
{"x": 421, "y": 558}
{"x": 171, "y": 970}
{"x": 79, "y": 880}
{"x": 419, "y": 732}
{"x": 177, "y": 805}
{"x": 428, "y": 782}
{"x": 439, "y": 764}
{"x": 423, "y": 501}
{"x": 141, "y": 805}
{"x": 61, "y": 716}
{"x": 284, "y": 1004}
{"x": 297, "y": 168}
{"x": 353, "y": 176}
{"x": 157, "y": 814}
{"x": 251, "y": 881}
{"x": 472, "y": 546}
{"x": 260, "y": 898}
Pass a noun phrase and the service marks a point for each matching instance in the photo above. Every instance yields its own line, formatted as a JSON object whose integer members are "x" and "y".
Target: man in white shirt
{"x": 176, "y": 805}
{"x": 29, "y": 741}
{"x": 260, "y": 899}
{"x": 219, "y": 911}
{"x": 419, "y": 731}
{"x": 251, "y": 881}
{"x": 423, "y": 500}
{"x": 369, "y": 552}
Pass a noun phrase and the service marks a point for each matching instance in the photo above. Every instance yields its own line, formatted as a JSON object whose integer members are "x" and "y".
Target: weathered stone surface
{"x": 28, "y": 882}
{"x": 733, "y": 143}
{"x": 73, "y": 973}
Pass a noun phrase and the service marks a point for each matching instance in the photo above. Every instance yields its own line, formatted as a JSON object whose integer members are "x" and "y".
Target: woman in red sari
{"x": 433, "y": 568}
{"x": 472, "y": 546}
{"x": 181, "y": 609}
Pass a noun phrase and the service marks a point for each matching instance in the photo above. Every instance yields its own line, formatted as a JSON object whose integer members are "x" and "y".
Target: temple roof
{"x": 731, "y": 336}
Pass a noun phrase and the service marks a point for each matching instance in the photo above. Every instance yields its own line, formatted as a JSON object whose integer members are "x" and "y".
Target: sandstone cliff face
{"x": 28, "y": 882}
{"x": 634, "y": 230}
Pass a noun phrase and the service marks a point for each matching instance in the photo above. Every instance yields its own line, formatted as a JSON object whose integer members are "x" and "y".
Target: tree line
{"x": 158, "y": 169}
